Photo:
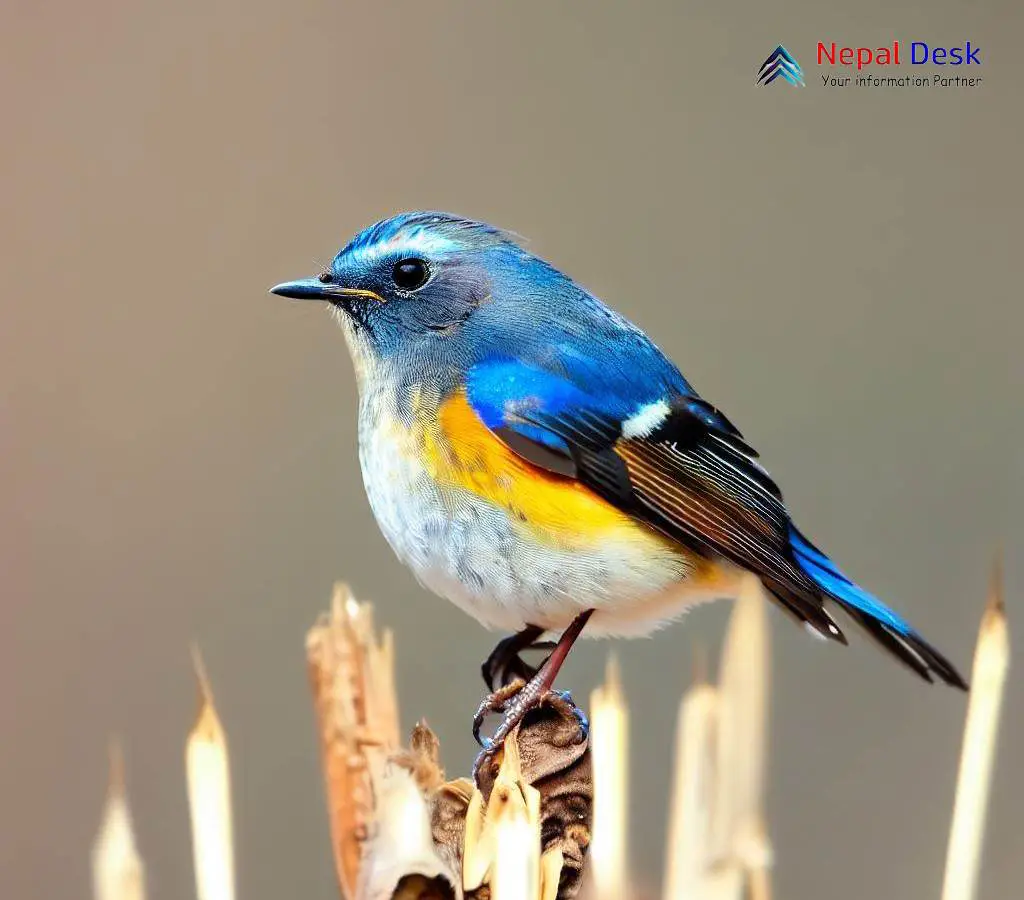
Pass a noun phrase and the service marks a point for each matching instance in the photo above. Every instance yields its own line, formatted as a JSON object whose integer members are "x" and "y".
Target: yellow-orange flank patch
{"x": 462, "y": 452}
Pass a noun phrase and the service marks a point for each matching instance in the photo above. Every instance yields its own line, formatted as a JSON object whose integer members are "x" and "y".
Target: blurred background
{"x": 838, "y": 270}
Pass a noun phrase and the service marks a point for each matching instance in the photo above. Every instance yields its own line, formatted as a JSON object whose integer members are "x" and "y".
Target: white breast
{"x": 472, "y": 554}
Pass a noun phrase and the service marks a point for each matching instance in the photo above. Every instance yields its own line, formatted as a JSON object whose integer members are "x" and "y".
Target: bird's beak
{"x": 315, "y": 289}
{"x": 305, "y": 289}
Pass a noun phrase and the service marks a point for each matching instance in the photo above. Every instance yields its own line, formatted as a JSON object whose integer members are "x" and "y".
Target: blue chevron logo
{"x": 781, "y": 64}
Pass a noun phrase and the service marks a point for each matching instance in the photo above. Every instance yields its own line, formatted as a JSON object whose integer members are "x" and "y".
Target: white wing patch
{"x": 644, "y": 422}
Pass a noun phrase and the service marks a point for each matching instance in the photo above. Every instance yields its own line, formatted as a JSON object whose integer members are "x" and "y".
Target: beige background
{"x": 838, "y": 270}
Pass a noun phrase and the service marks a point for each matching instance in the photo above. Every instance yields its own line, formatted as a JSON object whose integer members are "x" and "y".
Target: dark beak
{"x": 315, "y": 289}
{"x": 305, "y": 289}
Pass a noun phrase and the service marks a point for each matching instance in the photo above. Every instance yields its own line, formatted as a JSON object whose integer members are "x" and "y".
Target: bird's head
{"x": 410, "y": 285}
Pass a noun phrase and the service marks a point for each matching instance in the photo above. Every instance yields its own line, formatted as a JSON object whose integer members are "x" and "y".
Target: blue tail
{"x": 875, "y": 617}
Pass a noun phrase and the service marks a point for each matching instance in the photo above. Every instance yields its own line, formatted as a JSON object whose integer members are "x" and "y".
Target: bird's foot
{"x": 515, "y": 701}
{"x": 503, "y": 701}
{"x": 505, "y": 665}
{"x": 562, "y": 700}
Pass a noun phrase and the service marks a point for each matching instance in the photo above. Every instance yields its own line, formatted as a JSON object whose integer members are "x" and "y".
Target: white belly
{"x": 472, "y": 553}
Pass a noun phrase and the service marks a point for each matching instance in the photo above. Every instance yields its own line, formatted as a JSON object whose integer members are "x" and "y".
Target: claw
{"x": 495, "y": 703}
{"x": 515, "y": 700}
{"x": 508, "y": 700}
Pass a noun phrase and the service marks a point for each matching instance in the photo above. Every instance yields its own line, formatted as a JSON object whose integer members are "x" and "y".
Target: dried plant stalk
{"x": 401, "y": 859}
{"x": 352, "y": 676}
{"x": 742, "y": 732}
{"x": 502, "y": 838}
{"x": 516, "y": 873}
{"x": 209, "y": 795}
{"x": 117, "y": 870}
{"x": 988, "y": 679}
{"x": 718, "y": 845}
{"x": 689, "y": 838}
{"x": 722, "y": 882}
{"x": 609, "y": 736}
{"x": 758, "y": 874}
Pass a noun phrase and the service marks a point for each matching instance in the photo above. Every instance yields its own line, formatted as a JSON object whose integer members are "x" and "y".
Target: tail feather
{"x": 807, "y": 608}
{"x": 892, "y": 632}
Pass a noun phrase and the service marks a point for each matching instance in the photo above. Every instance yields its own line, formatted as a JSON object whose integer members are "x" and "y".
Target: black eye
{"x": 410, "y": 274}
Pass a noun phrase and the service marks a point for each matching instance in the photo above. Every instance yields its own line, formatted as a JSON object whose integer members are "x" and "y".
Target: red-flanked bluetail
{"x": 533, "y": 457}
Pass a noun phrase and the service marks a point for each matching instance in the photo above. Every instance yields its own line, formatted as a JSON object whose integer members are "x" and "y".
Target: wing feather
{"x": 695, "y": 481}
{"x": 689, "y": 475}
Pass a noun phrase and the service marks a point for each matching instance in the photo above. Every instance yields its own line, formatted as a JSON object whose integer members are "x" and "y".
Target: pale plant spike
{"x": 477, "y": 851}
{"x": 209, "y": 794}
{"x": 724, "y": 881}
{"x": 340, "y": 598}
{"x": 609, "y": 737}
{"x": 688, "y": 854}
{"x": 202, "y": 679}
{"x": 742, "y": 730}
{"x": 117, "y": 869}
{"x": 981, "y": 730}
{"x": 551, "y": 862}
{"x": 390, "y": 718}
{"x": 759, "y": 879}
{"x": 515, "y": 874}
{"x": 402, "y": 844}
{"x": 501, "y": 847}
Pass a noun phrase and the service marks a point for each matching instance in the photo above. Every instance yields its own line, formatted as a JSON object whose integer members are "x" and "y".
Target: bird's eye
{"x": 410, "y": 274}
{"x": 325, "y": 277}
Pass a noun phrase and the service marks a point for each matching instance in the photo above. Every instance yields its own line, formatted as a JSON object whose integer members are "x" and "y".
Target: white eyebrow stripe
{"x": 646, "y": 420}
{"x": 418, "y": 240}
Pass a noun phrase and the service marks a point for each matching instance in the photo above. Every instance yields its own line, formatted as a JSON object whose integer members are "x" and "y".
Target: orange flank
{"x": 461, "y": 451}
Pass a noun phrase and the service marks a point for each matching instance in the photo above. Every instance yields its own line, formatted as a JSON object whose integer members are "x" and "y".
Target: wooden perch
{"x": 398, "y": 829}
{"x": 529, "y": 812}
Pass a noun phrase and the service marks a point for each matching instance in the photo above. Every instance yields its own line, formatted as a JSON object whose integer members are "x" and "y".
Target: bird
{"x": 533, "y": 457}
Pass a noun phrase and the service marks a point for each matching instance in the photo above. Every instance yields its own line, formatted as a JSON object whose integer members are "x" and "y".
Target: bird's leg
{"x": 520, "y": 668}
{"x": 516, "y": 701}
{"x": 505, "y": 661}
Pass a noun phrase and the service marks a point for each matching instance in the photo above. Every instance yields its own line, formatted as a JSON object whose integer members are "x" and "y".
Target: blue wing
{"x": 653, "y": 448}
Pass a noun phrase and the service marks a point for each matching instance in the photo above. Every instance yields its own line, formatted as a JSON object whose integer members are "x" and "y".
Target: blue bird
{"x": 533, "y": 457}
